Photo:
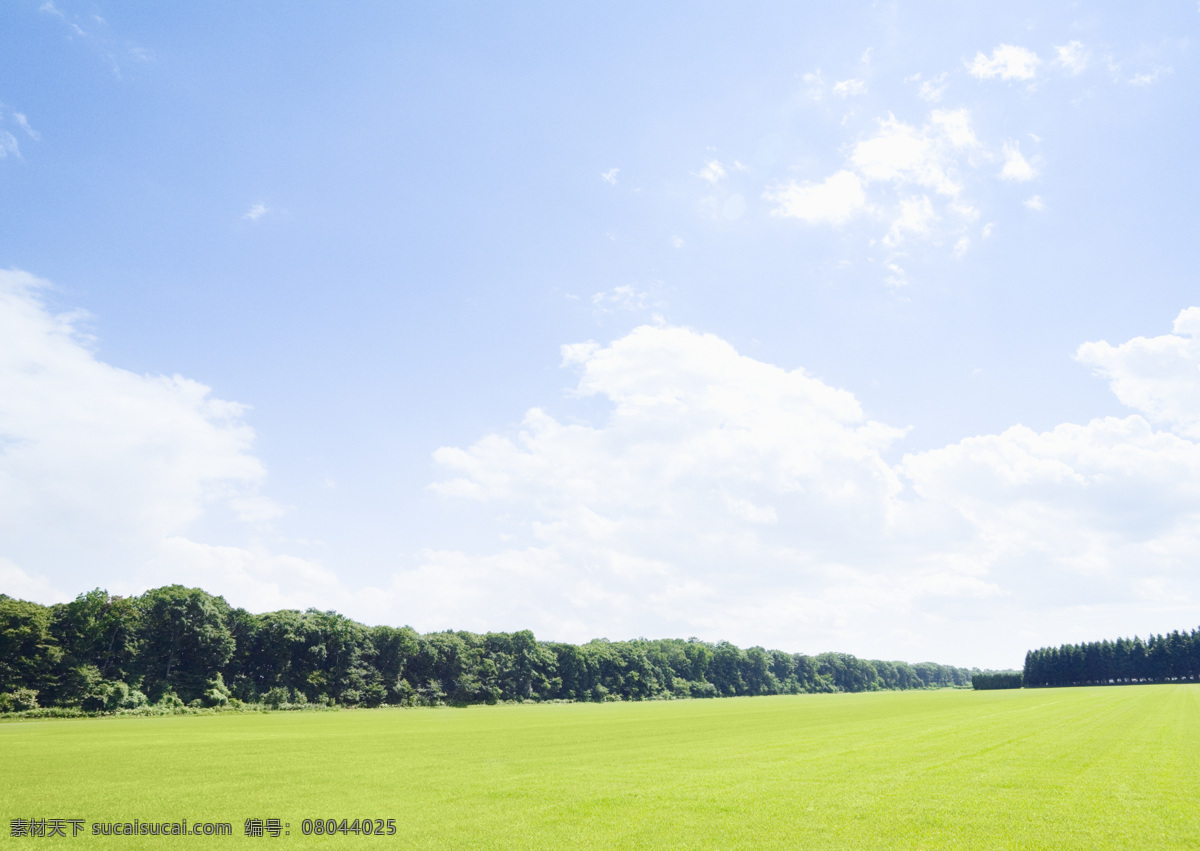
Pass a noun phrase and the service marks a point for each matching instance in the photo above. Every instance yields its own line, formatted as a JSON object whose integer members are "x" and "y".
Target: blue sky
{"x": 857, "y": 327}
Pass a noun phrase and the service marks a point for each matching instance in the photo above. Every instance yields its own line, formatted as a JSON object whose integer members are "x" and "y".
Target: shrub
{"x": 169, "y": 701}
{"x": 19, "y": 700}
{"x": 276, "y": 698}
{"x": 216, "y": 694}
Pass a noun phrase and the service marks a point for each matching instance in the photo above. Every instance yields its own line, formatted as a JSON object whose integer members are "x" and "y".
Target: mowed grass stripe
{"x": 1048, "y": 768}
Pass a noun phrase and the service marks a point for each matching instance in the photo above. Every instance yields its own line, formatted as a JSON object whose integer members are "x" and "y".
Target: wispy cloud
{"x": 610, "y": 176}
{"x": 1007, "y": 62}
{"x": 930, "y": 90}
{"x": 1073, "y": 57}
{"x": 50, "y": 9}
{"x": 8, "y": 145}
{"x": 255, "y": 213}
{"x": 112, "y": 50}
{"x": 916, "y": 218}
{"x": 849, "y": 88}
{"x": 23, "y": 123}
{"x": 622, "y": 298}
{"x": 1145, "y": 78}
{"x": 713, "y": 172}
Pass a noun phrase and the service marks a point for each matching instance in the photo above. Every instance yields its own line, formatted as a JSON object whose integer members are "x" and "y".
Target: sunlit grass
{"x": 1051, "y": 768}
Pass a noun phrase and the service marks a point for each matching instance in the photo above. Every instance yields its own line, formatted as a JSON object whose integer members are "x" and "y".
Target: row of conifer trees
{"x": 1158, "y": 659}
{"x": 184, "y": 646}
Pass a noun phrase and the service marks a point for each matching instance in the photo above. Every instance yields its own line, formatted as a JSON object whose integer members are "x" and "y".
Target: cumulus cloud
{"x": 902, "y": 154}
{"x": 727, "y": 496}
{"x": 896, "y": 157}
{"x": 1098, "y": 507}
{"x": 1035, "y": 203}
{"x": 955, "y": 127}
{"x": 1007, "y": 62}
{"x": 100, "y": 467}
{"x": 704, "y": 452}
{"x": 1157, "y": 376}
{"x": 834, "y": 200}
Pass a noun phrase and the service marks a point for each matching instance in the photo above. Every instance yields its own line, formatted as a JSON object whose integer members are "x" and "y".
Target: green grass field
{"x": 1050, "y": 768}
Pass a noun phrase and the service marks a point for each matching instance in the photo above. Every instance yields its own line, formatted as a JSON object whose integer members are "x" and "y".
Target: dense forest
{"x": 1159, "y": 659}
{"x": 176, "y": 646}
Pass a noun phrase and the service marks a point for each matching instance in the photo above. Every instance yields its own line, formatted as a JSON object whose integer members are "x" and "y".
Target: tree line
{"x": 987, "y": 680}
{"x": 177, "y": 646}
{"x": 1158, "y": 659}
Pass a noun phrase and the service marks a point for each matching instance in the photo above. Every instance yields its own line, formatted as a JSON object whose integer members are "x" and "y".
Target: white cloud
{"x": 1146, "y": 78}
{"x": 1016, "y": 167}
{"x": 1073, "y": 57}
{"x": 724, "y": 496}
{"x": 50, "y": 9}
{"x": 900, "y": 153}
{"x": 834, "y": 200}
{"x": 1107, "y": 502}
{"x": 849, "y": 88}
{"x": 8, "y": 145}
{"x": 899, "y": 156}
{"x": 255, "y": 213}
{"x": 1007, "y": 62}
{"x": 610, "y": 176}
{"x": 931, "y": 90}
{"x": 1158, "y": 376}
{"x": 816, "y": 84}
{"x": 23, "y": 123}
{"x": 98, "y": 465}
{"x": 955, "y": 125}
{"x": 713, "y": 172}
{"x": 1035, "y": 202}
{"x": 255, "y": 578}
{"x": 964, "y": 211}
{"x": 621, "y": 298}
{"x": 19, "y": 584}
{"x": 705, "y": 451}
{"x": 916, "y": 218}
{"x": 897, "y": 277}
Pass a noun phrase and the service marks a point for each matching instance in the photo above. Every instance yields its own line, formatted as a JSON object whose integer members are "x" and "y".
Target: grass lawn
{"x": 1046, "y": 768}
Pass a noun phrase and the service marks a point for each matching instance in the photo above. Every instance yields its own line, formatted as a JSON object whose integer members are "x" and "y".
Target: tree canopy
{"x": 101, "y": 652}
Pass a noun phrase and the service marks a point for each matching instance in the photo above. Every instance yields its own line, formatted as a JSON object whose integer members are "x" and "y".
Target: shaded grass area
{"x": 1046, "y": 768}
